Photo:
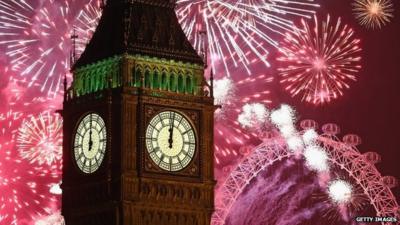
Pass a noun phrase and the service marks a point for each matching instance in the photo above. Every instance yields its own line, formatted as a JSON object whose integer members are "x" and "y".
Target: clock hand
{"x": 171, "y": 130}
{"x": 90, "y": 134}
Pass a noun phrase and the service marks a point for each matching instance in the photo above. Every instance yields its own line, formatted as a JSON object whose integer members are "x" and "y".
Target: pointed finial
{"x": 212, "y": 83}
{"x": 73, "y": 57}
{"x": 204, "y": 47}
{"x": 65, "y": 86}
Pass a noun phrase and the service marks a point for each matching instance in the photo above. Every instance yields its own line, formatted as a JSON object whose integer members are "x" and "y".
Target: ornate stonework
{"x": 138, "y": 63}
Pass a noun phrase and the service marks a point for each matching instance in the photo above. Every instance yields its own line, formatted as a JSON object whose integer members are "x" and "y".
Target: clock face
{"x": 170, "y": 141}
{"x": 90, "y": 143}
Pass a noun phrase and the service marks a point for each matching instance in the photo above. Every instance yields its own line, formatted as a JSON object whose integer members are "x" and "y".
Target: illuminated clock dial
{"x": 90, "y": 143}
{"x": 170, "y": 141}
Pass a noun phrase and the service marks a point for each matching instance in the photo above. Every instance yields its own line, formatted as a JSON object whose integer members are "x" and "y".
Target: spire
{"x": 74, "y": 36}
{"x": 145, "y": 27}
{"x": 212, "y": 84}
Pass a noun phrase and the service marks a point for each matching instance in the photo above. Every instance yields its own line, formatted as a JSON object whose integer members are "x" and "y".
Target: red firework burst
{"x": 320, "y": 60}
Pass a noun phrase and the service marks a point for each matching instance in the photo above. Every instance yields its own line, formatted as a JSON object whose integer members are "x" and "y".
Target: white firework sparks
{"x": 340, "y": 191}
{"x": 316, "y": 158}
{"x": 238, "y": 32}
{"x": 54, "y": 219}
{"x": 40, "y": 139}
{"x": 283, "y": 116}
{"x": 253, "y": 115}
{"x": 224, "y": 91}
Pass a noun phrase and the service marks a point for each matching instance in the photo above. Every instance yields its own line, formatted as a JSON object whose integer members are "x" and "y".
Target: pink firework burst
{"x": 37, "y": 39}
{"x": 24, "y": 189}
{"x": 319, "y": 61}
{"x": 39, "y": 139}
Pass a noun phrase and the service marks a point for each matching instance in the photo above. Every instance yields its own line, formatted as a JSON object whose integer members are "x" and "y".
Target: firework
{"x": 310, "y": 136}
{"x": 362, "y": 191}
{"x": 319, "y": 60}
{"x": 23, "y": 190}
{"x": 340, "y": 191}
{"x": 37, "y": 39}
{"x": 253, "y": 115}
{"x": 238, "y": 32}
{"x": 86, "y": 24}
{"x": 224, "y": 95}
{"x": 316, "y": 158}
{"x": 232, "y": 93}
{"x": 40, "y": 139}
{"x": 53, "y": 219}
{"x": 373, "y": 13}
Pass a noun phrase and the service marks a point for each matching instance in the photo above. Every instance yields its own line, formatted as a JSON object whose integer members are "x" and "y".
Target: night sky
{"x": 371, "y": 107}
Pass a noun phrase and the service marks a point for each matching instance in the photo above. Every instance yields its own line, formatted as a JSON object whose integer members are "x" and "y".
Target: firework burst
{"x": 238, "y": 32}
{"x": 37, "y": 38}
{"x": 253, "y": 115}
{"x": 373, "y": 13}
{"x": 24, "y": 189}
{"x": 40, "y": 139}
{"x": 319, "y": 61}
{"x": 340, "y": 191}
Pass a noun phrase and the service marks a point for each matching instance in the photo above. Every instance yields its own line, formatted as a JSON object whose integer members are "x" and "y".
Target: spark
{"x": 316, "y": 158}
{"x": 224, "y": 95}
{"x": 340, "y": 191}
{"x": 320, "y": 60}
{"x": 285, "y": 115}
{"x": 253, "y": 115}
{"x": 230, "y": 135}
{"x": 239, "y": 33}
{"x": 53, "y": 219}
{"x": 373, "y": 13}
{"x": 56, "y": 189}
{"x": 310, "y": 136}
{"x": 40, "y": 139}
{"x": 37, "y": 39}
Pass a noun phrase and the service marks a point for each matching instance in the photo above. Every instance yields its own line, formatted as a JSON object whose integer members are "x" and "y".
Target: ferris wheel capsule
{"x": 352, "y": 140}
{"x": 309, "y": 124}
{"x": 390, "y": 181}
{"x": 265, "y": 135}
{"x": 372, "y": 157}
{"x": 331, "y": 129}
{"x": 397, "y": 211}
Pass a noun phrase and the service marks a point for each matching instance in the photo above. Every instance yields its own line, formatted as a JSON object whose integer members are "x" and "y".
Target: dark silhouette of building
{"x": 138, "y": 124}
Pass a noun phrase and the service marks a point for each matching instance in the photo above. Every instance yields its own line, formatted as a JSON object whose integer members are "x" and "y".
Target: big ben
{"x": 138, "y": 124}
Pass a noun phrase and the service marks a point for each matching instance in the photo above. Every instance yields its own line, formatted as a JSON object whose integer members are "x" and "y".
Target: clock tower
{"x": 138, "y": 124}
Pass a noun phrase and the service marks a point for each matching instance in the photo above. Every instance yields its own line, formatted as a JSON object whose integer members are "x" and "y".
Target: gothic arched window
{"x": 181, "y": 86}
{"x": 189, "y": 84}
{"x": 138, "y": 77}
{"x": 164, "y": 81}
{"x": 156, "y": 80}
{"x": 172, "y": 83}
